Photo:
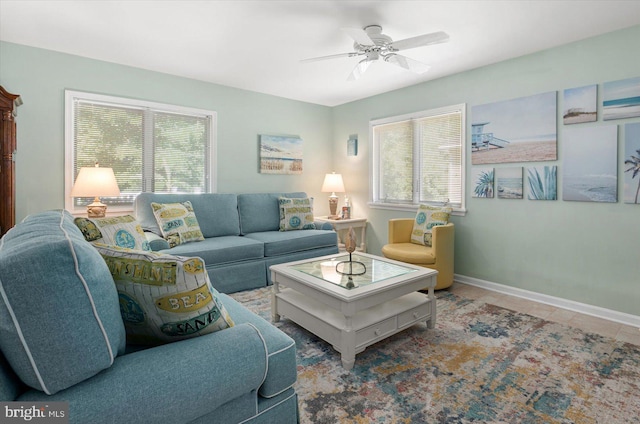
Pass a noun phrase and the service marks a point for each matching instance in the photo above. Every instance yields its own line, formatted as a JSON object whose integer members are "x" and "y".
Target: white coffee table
{"x": 354, "y": 312}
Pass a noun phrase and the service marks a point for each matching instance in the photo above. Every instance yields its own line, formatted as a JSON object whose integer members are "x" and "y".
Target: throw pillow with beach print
{"x": 121, "y": 231}
{"x": 164, "y": 298}
{"x": 296, "y": 214}
{"x": 177, "y": 222}
{"x": 428, "y": 217}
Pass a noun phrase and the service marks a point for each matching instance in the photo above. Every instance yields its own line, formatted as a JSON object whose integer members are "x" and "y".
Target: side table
{"x": 342, "y": 225}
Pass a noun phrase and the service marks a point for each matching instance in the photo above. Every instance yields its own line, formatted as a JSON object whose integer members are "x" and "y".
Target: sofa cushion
{"x": 428, "y": 217}
{"x": 260, "y": 212}
{"x": 59, "y": 309}
{"x": 281, "y": 350}
{"x": 296, "y": 214}
{"x": 217, "y": 213}
{"x": 281, "y": 243}
{"x": 121, "y": 231}
{"x": 219, "y": 250}
{"x": 178, "y": 222}
{"x": 164, "y": 298}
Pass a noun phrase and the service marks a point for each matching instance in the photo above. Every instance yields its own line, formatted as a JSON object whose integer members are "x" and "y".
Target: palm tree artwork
{"x": 634, "y": 168}
{"x": 483, "y": 183}
{"x": 543, "y": 183}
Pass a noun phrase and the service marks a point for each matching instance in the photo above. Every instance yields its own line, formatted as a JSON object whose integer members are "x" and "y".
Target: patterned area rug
{"x": 481, "y": 363}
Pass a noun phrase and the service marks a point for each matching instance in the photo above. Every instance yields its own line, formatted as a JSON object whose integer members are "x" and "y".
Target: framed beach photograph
{"x": 580, "y": 105}
{"x": 543, "y": 183}
{"x": 482, "y": 182}
{"x": 590, "y": 165}
{"x": 517, "y": 130}
{"x": 280, "y": 154}
{"x": 621, "y": 99}
{"x": 509, "y": 182}
{"x": 632, "y": 163}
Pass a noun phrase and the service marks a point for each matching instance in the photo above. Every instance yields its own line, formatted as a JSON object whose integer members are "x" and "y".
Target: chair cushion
{"x": 296, "y": 214}
{"x": 410, "y": 252}
{"x": 59, "y": 310}
{"x": 178, "y": 222}
{"x": 164, "y": 298}
{"x": 428, "y": 217}
{"x": 121, "y": 231}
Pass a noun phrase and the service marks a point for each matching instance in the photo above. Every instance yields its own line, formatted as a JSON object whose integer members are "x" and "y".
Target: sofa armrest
{"x": 176, "y": 382}
{"x": 156, "y": 242}
{"x": 400, "y": 230}
{"x": 322, "y": 225}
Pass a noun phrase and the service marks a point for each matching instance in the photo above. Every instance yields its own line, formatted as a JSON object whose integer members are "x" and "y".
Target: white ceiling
{"x": 258, "y": 45}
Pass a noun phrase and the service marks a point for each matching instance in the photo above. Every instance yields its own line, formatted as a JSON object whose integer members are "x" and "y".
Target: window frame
{"x": 148, "y": 107}
{"x": 374, "y": 171}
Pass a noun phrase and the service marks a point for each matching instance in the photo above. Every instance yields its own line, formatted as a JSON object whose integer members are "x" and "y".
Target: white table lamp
{"x": 95, "y": 182}
{"x": 333, "y": 183}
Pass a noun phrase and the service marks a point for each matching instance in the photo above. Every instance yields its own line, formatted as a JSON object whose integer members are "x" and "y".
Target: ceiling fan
{"x": 371, "y": 43}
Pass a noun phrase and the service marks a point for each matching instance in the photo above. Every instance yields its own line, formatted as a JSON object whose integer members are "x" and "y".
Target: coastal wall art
{"x": 482, "y": 182}
{"x": 580, "y": 105}
{"x": 509, "y": 182}
{"x": 280, "y": 154}
{"x": 632, "y": 163}
{"x": 543, "y": 183}
{"x": 590, "y": 166}
{"x": 517, "y": 130}
{"x": 621, "y": 99}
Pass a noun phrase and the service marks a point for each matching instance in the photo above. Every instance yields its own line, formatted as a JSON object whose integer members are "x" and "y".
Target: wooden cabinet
{"x": 8, "y": 105}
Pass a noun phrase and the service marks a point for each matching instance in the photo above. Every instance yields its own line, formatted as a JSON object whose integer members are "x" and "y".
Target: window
{"x": 150, "y": 146}
{"x": 418, "y": 158}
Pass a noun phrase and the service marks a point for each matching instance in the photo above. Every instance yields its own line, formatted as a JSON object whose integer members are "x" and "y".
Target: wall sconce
{"x": 333, "y": 183}
{"x": 95, "y": 182}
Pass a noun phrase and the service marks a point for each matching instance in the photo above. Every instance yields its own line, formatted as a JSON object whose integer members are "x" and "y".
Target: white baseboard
{"x": 583, "y": 308}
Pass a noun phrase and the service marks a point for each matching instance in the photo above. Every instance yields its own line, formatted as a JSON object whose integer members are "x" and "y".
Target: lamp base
{"x": 97, "y": 209}
{"x": 333, "y": 207}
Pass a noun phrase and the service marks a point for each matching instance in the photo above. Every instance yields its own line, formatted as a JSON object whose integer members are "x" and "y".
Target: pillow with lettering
{"x": 428, "y": 217}
{"x": 178, "y": 222}
{"x": 164, "y": 298}
{"x": 296, "y": 214}
{"x": 121, "y": 231}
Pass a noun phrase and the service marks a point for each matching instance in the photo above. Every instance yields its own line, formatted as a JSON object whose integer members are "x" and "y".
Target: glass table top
{"x": 362, "y": 271}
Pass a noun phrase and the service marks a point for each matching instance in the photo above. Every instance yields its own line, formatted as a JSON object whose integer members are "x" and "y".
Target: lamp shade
{"x": 333, "y": 183}
{"x": 95, "y": 182}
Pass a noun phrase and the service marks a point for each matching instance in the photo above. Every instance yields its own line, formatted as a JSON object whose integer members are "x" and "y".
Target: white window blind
{"x": 150, "y": 146}
{"x": 419, "y": 158}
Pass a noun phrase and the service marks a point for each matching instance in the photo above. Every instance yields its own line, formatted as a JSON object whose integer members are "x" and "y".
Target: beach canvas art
{"x": 632, "y": 163}
{"x": 518, "y": 130}
{"x": 543, "y": 183}
{"x": 509, "y": 182}
{"x": 280, "y": 155}
{"x": 590, "y": 166}
{"x": 580, "y": 105}
{"x": 482, "y": 182}
{"x": 621, "y": 99}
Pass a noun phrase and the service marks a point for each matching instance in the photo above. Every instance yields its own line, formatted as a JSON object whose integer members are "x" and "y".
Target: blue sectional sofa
{"x": 242, "y": 237}
{"x": 62, "y": 338}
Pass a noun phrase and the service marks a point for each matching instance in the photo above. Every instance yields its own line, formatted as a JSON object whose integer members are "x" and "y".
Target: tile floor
{"x": 622, "y": 332}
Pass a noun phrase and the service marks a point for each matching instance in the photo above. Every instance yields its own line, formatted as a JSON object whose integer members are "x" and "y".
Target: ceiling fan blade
{"x": 359, "y": 69}
{"x": 420, "y": 40}
{"x": 407, "y": 63}
{"x": 331, "y": 56}
{"x": 359, "y": 36}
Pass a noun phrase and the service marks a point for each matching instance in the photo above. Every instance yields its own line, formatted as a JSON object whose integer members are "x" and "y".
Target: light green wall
{"x": 581, "y": 251}
{"x": 41, "y": 76}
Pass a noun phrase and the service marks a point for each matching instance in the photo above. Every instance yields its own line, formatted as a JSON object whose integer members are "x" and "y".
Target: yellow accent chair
{"x": 439, "y": 256}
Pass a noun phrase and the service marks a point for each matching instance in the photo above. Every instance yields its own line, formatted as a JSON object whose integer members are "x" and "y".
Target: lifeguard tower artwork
{"x": 517, "y": 130}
